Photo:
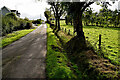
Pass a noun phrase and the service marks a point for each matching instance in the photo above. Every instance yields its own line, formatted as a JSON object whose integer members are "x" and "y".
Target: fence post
{"x": 99, "y": 41}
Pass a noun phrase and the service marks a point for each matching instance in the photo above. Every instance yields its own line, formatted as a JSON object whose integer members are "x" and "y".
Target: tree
{"x": 47, "y": 14}
{"x": 12, "y": 15}
{"x": 87, "y": 15}
{"x": 58, "y": 10}
{"x": 26, "y": 19}
{"x": 68, "y": 19}
{"x": 38, "y": 21}
{"x": 115, "y": 19}
{"x": 76, "y": 10}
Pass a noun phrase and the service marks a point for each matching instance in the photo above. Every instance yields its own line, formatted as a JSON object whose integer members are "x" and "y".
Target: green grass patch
{"x": 9, "y": 38}
{"x": 57, "y": 62}
{"x": 109, "y": 43}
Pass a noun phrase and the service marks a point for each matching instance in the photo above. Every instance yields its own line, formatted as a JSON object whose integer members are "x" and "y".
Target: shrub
{"x": 38, "y": 21}
{"x": 11, "y": 15}
{"x": 23, "y": 23}
{"x": 28, "y": 25}
{"x": 26, "y": 19}
{"x": 11, "y": 23}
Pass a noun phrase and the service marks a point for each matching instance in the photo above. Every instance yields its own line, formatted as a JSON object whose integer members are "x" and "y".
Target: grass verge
{"x": 9, "y": 38}
{"x": 89, "y": 63}
{"x": 58, "y": 64}
{"x": 92, "y": 67}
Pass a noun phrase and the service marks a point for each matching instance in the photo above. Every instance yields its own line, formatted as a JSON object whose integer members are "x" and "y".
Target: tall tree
{"x": 58, "y": 10}
{"x": 68, "y": 19}
{"x": 47, "y": 14}
{"x": 87, "y": 15}
{"x": 76, "y": 9}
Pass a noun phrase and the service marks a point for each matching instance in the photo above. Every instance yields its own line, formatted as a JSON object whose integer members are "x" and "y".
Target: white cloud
{"x": 95, "y": 7}
{"x": 28, "y": 8}
{"x": 33, "y": 8}
{"x": 114, "y": 6}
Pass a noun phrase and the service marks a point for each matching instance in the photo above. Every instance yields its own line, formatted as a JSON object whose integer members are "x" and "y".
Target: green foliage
{"x": 28, "y": 25}
{"x": 11, "y": 15}
{"x": 47, "y": 14}
{"x": 11, "y": 23}
{"x": 26, "y": 19}
{"x": 56, "y": 60}
{"x": 22, "y": 23}
{"x": 9, "y": 38}
{"x": 105, "y": 18}
{"x": 38, "y": 21}
{"x": 68, "y": 19}
{"x": 88, "y": 16}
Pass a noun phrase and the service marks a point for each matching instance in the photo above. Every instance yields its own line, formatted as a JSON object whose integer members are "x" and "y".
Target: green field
{"x": 9, "y": 38}
{"x": 109, "y": 39}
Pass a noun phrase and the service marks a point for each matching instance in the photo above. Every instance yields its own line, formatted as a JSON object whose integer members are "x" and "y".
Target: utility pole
{"x": 40, "y": 16}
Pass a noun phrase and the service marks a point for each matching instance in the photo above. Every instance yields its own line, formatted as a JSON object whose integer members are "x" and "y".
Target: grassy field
{"x": 109, "y": 43}
{"x": 58, "y": 64}
{"x": 9, "y": 38}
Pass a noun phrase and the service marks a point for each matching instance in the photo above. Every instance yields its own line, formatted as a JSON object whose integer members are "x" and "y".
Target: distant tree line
{"x": 105, "y": 18}
{"x": 38, "y": 21}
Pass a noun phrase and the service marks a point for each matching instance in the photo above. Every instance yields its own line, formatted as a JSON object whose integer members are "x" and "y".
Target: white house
{"x": 6, "y": 10}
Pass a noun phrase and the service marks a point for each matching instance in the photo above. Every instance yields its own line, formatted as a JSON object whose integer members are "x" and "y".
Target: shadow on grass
{"x": 76, "y": 52}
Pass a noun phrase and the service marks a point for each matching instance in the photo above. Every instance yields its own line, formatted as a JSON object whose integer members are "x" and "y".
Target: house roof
{"x": 13, "y": 10}
{"x": 6, "y": 8}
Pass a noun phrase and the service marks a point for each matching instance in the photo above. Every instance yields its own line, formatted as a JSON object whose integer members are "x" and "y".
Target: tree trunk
{"x": 58, "y": 23}
{"x": 79, "y": 27}
{"x": 74, "y": 24}
{"x": 56, "y": 20}
{"x": 66, "y": 21}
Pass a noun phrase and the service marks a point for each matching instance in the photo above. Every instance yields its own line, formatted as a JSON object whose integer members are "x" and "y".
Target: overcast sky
{"x": 33, "y": 9}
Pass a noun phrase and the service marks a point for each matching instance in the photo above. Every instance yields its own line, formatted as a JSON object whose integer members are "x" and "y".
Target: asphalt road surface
{"x": 25, "y": 58}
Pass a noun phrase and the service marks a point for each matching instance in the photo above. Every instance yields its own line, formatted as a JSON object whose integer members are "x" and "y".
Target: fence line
{"x": 68, "y": 31}
{"x": 97, "y": 47}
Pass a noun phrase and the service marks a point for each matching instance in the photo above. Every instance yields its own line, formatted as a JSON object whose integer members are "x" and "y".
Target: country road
{"x": 25, "y": 58}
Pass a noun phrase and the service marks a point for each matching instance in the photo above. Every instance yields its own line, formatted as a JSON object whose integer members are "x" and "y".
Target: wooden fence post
{"x": 99, "y": 41}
